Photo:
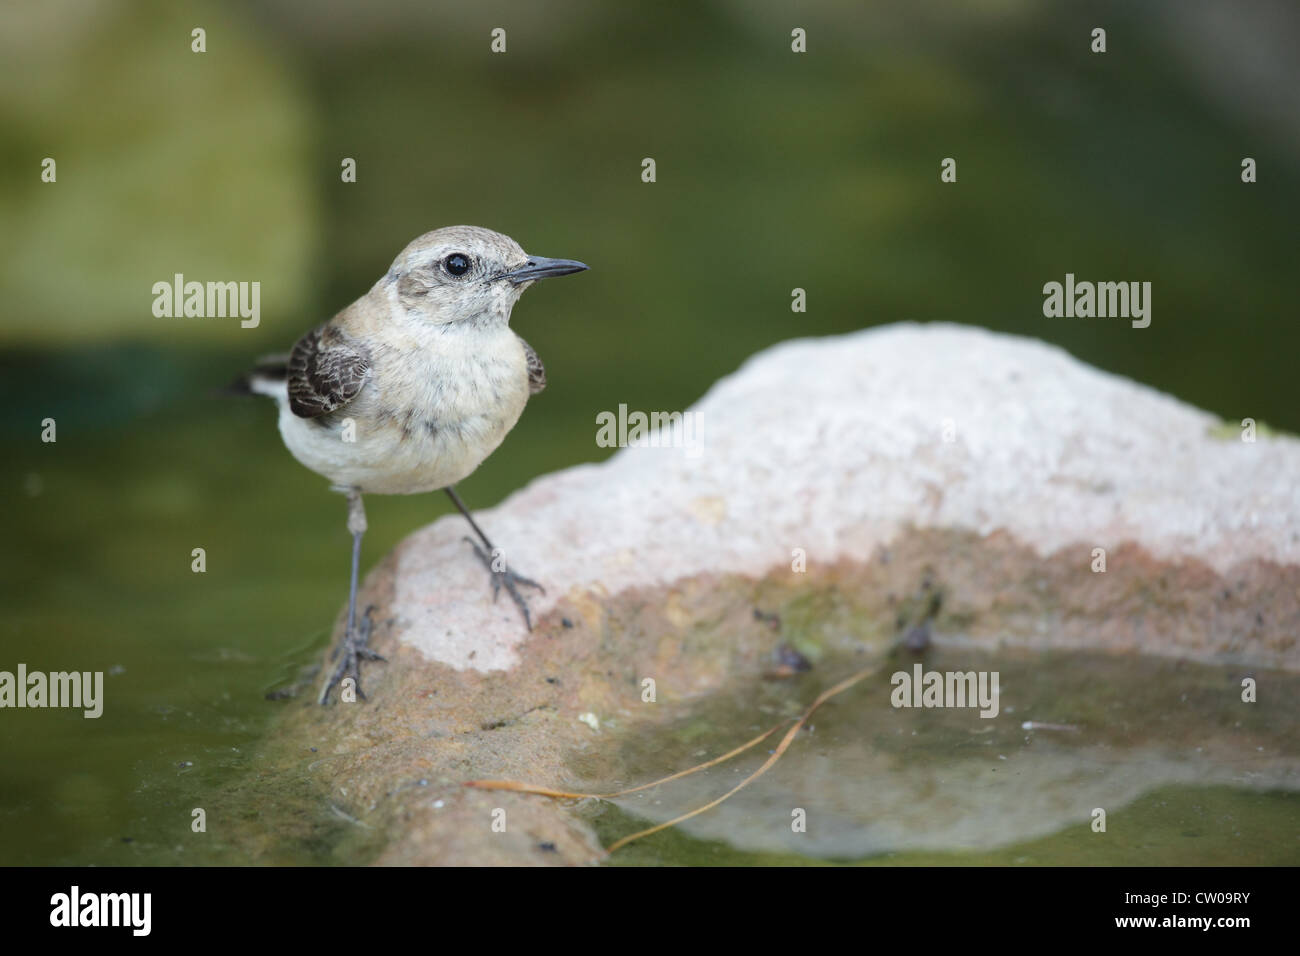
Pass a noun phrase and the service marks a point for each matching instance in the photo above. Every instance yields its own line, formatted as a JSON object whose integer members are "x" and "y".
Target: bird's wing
{"x": 326, "y": 370}
{"x": 536, "y": 370}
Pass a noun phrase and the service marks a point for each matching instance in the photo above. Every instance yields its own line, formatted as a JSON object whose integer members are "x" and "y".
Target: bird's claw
{"x": 355, "y": 650}
{"x": 509, "y": 579}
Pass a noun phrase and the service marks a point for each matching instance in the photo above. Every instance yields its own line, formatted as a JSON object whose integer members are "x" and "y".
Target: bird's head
{"x": 467, "y": 274}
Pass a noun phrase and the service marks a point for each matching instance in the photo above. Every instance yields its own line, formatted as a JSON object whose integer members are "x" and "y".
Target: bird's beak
{"x": 539, "y": 267}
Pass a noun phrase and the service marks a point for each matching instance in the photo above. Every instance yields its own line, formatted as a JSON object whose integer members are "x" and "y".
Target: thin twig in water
{"x": 767, "y": 764}
{"x": 548, "y": 792}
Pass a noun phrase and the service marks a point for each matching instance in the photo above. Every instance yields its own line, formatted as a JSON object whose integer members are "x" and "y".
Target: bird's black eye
{"x": 457, "y": 263}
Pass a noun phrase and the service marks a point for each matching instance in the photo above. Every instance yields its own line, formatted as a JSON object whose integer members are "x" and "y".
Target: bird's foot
{"x": 355, "y": 649}
{"x": 507, "y": 579}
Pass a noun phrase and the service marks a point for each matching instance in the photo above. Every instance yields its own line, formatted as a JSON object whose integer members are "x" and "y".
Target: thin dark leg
{"x": 505, "y": 576}
{"x": 354, "y": 641}
{"x": 352, "y": 588}
{"x": 455, "y": 499}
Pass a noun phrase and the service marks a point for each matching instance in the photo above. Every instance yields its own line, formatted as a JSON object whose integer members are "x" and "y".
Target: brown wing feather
{"x": 326, "y": 370}
{"x": 536, "y": 370}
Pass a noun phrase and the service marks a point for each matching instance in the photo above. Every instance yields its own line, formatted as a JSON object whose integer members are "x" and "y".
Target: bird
{"x": 410, "y": 388}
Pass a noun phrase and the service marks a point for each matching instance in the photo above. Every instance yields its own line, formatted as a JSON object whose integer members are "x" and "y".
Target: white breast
{"x": 426, "y": 417}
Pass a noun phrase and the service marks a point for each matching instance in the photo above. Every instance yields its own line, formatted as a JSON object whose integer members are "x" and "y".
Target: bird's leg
{"x": 491, "y": 558}
{"x": 354, "y": 641}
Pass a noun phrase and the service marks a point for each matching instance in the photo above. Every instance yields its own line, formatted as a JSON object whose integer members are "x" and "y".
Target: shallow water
{"x": 107, "y": 519}
{"x": 1186, "y": 772}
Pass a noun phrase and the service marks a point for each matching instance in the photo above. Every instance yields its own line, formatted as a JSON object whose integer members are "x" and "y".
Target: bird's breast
{"x": 437, "y": 416}
{"x": 456, "y": 388}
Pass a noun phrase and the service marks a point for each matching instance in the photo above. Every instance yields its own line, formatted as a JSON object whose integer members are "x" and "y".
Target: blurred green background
{"x": 775, "y": 170}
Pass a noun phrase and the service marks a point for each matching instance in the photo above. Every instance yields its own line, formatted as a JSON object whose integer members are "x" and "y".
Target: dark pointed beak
{"x": 539, "y": 267}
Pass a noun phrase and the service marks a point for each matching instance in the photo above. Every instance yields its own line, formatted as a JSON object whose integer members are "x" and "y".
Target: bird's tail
{"x": 267, "y": 377}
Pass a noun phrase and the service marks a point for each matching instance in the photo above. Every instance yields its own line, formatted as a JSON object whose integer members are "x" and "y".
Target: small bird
{"x": 411, "y": 387}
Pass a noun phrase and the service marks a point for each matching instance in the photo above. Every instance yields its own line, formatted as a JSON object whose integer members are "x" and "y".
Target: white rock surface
{"x": 837, "y": 445}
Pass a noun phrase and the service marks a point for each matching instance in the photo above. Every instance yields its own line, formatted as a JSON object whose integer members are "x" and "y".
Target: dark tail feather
{"x": 270, "y": 369}
{"x": 237, "y": 389}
